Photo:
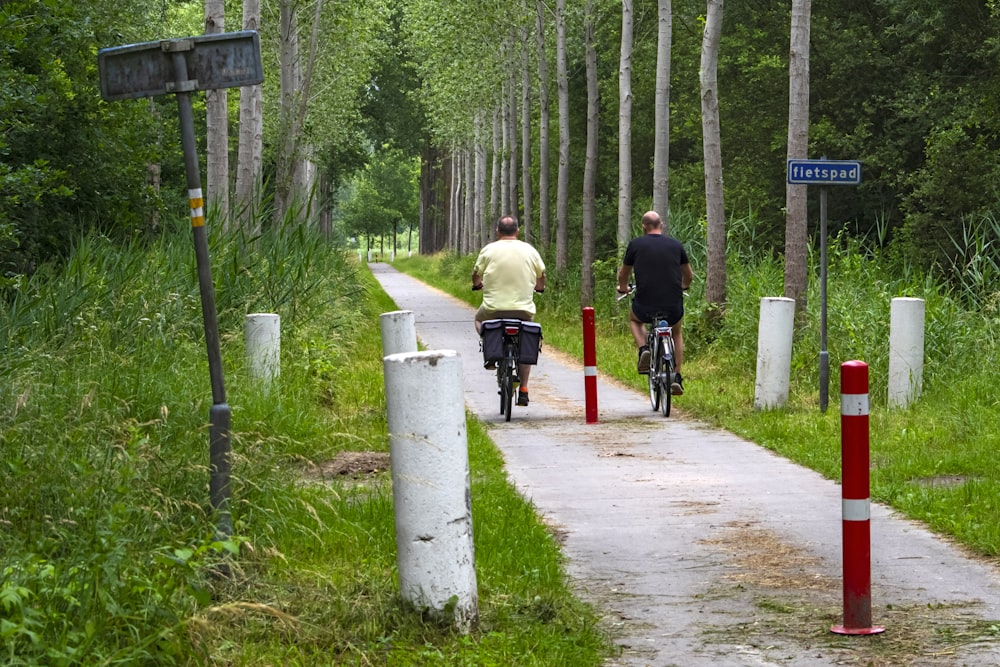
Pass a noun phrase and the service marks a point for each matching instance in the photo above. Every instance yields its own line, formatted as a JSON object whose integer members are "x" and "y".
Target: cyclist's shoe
{"x": 644, "y": 360}
{"x": 677, "y": 386}
{"x": 490, "y": 365}
{"x": 522, "y": 397}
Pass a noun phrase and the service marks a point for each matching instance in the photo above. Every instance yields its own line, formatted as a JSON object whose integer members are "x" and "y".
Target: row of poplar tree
{"x": 569, "y": 113}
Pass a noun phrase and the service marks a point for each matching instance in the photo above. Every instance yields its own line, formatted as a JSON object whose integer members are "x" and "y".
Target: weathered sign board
{"x": 226, "y": 60}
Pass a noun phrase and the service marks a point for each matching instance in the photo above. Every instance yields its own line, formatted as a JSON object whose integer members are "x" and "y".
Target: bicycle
{"x": 507, "y": 366}
{"x": 661, "y": 373}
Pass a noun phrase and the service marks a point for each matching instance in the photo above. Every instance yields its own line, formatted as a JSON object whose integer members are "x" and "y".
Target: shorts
{"x": 482, "y": 315}
{"x": 673, "y": 315}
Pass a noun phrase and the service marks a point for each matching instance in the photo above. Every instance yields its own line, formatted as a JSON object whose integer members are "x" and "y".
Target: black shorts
{"x": 644, "y": 314}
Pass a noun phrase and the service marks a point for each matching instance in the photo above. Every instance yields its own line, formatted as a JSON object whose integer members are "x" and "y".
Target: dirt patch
{"x": 352, "y": 465}
{"x": 795, "y": 605}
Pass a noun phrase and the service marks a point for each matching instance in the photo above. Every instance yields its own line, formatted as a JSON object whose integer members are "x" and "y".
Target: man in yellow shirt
{"x": 509, "y": 271}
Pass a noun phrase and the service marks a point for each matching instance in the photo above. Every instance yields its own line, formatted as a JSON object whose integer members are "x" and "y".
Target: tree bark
{"x": 590, "y": 166}
{"x": 495, "y": 174}
{"x": 479, "y": 223}
{"x": 249, "y": 162}
{"x": 505, "y": 203}
{"x": 661, "y": 150}
{"x": 289, "y": 85}
{"x": 526, "y": 190}
{"x": 470, "y": 204}
{"x": 562, "y": 186}
{"x": 715, "y": 286}
{"x": 796, "y": 222}
{"x": 295, "y": 174}
{"x": 217, "y": 127}
{"x": 625, "y": 129}
{"x": 543, "y": 128}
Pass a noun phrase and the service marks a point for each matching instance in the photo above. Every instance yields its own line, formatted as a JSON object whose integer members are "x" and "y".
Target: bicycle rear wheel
{"x": 666, "y": 375}
{"x": 655, "y": 388}
{"x": 506, "y": 379}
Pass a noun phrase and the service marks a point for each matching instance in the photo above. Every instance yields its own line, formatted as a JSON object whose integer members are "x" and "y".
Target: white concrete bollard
{"x": 369, "y": 255}
{"x": 399, "y": 333}
{"x": 428, "y": 449}
{"x": 906, "y": 350}
{"x": 263, "y": 343}
{"x": 392, "y": 256}
{"x": 774, "y": 352}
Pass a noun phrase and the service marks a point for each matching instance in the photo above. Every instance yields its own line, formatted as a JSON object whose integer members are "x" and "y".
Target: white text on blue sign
{"x": 824, "y": 172}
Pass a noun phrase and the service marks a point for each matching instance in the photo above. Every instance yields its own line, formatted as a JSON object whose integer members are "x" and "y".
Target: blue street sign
{"x": 824, "y": 172}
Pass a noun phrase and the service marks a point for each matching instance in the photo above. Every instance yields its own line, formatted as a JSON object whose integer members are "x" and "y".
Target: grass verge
{"x": 107, "y": 544}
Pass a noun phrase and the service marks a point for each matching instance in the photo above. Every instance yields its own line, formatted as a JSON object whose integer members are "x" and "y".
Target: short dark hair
{"x": 507, "y": 225}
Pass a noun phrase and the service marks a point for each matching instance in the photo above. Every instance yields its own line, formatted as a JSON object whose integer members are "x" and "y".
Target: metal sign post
{"x": 181, "y": 66}
{"x": 823, "y": 172}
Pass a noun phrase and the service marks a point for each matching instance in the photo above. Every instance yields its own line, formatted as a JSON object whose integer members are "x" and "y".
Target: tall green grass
{"x": 107, "y": 546}
{"x": 936, "y": 461}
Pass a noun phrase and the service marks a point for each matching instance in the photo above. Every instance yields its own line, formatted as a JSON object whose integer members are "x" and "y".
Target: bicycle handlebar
{"x": 622, "y": 295}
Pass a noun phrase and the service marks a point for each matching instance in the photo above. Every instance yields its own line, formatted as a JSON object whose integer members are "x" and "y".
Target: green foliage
{"x": 383, "y": 196}
{"x": 108, "y": 552}
{"x": 66, "y": 160}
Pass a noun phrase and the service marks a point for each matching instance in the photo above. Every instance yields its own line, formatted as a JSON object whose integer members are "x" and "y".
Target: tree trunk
{"x": 512, "y": 156}
{"x": 543, "y": 128}
{"x": 495, "y": 174}
{"x": 470, "y": 205}
{"x": 153, "y": 173}
{"x": 289, "y": 83}
{"x": 796, "y": 222}
{"x": 433, "y": 189}
{"x": 661, "y": 150}
{"x": 527, "y": 192}
{"x": 295, "y": 174}
{"x": 217, "y": 127}
{"x": 715, "y": 286}
{"x": 454, "y": 219}
{"x": 505, "y": 203}
{"x": 625, "y": 129}
{"x": 249, "y": 163}
{"x": 590, "y": 166}
{"x": 478, "y": 232}
{"x": 562, "y": 186}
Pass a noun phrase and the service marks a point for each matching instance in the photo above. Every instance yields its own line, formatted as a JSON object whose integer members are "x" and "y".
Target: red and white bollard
{"x": 590, "y": 364}
{"x": 855, "y": 501}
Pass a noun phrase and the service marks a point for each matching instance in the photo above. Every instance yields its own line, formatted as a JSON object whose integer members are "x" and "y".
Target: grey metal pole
{"x": 824, "y": 355}
{"x": 219, "y": 414}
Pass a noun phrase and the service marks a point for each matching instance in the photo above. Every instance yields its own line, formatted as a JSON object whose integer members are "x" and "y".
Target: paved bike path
{"x": 701, "y": 548}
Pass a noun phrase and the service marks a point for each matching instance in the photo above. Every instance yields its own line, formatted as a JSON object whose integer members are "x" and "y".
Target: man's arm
{"x": 623, "y": 275}
{"x": 687, "y": 275}
{"x": 477, "y": 281}
{"x": 540, "y": 282}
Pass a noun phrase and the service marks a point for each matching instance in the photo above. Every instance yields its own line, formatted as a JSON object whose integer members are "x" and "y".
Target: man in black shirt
{"x": 662, "y": 273}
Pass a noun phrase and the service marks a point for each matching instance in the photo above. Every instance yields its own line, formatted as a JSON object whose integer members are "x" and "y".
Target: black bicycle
{"x": 507, "y": 379}
{"x": 660, "y": 340}
{"x": 662, "y": 369}
{"x": 509, "y": 342}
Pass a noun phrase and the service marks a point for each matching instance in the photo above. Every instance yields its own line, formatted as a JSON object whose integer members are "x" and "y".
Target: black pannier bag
{"x": 531, "y": 342}
{"x": 492, "y": 340}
